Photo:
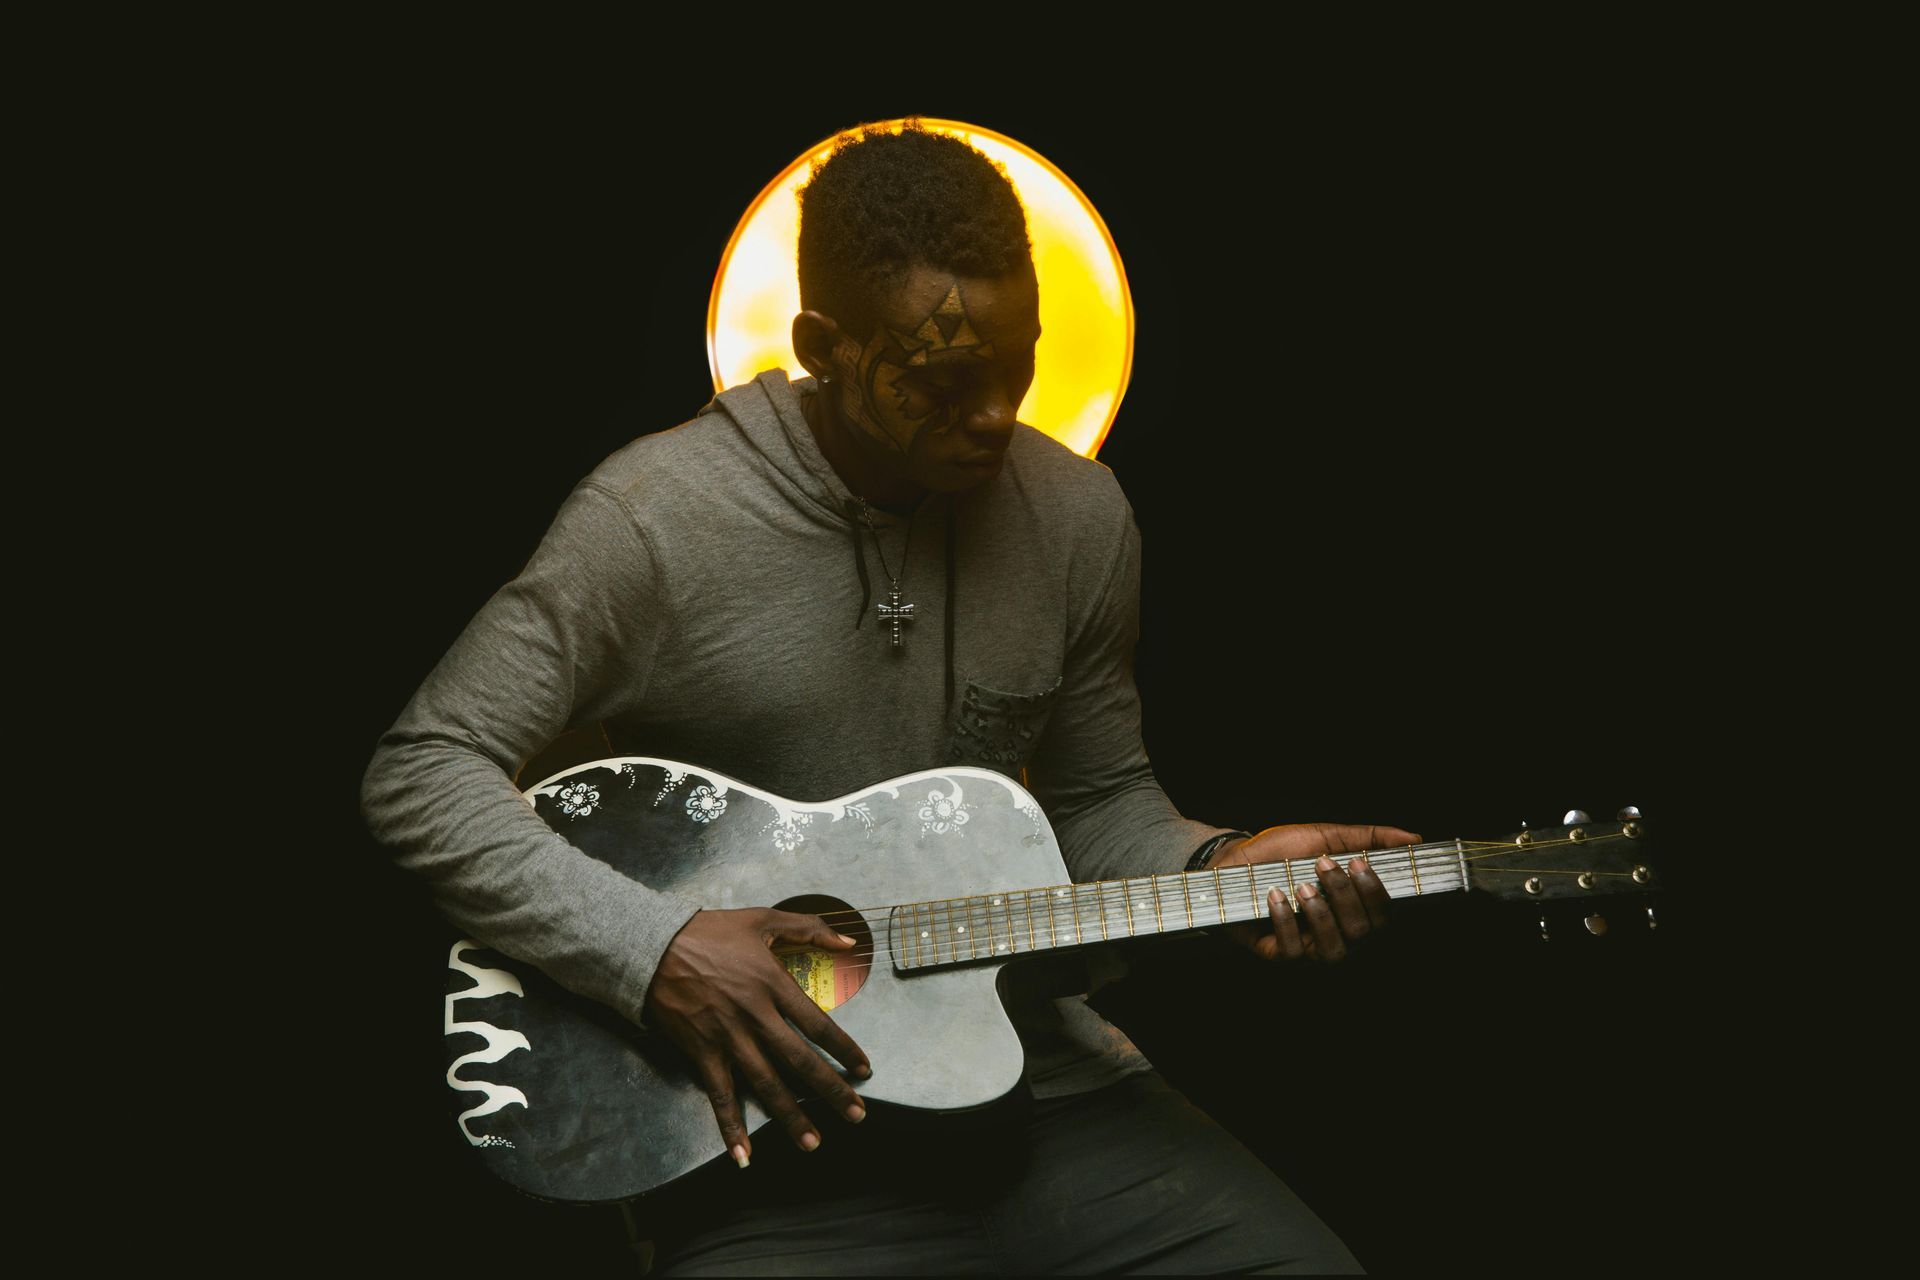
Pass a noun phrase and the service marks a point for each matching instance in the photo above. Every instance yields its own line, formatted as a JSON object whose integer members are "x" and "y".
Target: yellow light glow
{"x": 1085, "y": 354}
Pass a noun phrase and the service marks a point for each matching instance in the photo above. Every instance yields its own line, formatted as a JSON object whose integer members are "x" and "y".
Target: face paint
{"x": 882, "y": 397}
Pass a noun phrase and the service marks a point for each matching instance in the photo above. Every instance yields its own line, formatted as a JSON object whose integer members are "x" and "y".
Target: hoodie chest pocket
{"x": 997, "y": 729}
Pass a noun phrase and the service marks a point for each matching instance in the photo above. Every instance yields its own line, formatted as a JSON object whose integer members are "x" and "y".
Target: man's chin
{"x": 969, "y": 474}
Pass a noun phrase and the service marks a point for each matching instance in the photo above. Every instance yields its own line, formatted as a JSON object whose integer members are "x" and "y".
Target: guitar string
{"x": 1137, "y": 889}
{"x": 1058, "y": 911}
{"x": 981, "y": 913}
{"x": 1004, "y": 919}
{"x": 993, "y": 921}
{"x": 1400, "y": 858}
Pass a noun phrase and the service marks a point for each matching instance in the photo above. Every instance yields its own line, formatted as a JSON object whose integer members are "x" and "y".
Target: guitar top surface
{"x": 568, "y": 1100}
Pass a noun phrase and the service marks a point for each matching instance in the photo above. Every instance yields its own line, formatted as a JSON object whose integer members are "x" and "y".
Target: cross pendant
{"x": 894, "y": 613}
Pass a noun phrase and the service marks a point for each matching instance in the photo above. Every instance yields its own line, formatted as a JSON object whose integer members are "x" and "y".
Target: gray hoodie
{"x": 706, "y": 596}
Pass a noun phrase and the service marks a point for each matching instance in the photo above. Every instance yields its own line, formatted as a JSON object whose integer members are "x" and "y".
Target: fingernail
{"x": 1275, "y": 897}
{"x": 856, "y": 1114}
{"x": 740, "y": 1156}
{"x": 862, "y": 1070}
{"x": 808, "y": 1141}
{"x": 844, "y": 938}
{"x": 1358, "y": 864}
{"x": 1325, "y": 864}
{"x": 1307, "y": 891}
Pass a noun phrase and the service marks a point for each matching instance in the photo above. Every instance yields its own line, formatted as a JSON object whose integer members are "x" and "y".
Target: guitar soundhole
{"x": 830, "y": 978}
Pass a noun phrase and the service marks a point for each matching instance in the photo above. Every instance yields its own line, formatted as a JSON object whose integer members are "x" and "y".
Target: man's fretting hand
{"x": 1354, "y": 904}
{"x": 719, "y": 994}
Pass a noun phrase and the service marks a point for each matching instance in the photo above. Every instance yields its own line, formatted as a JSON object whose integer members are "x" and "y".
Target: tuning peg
{"x": 1575, "y": 818}
{"x": 1543, "y": 930}
{"x": 1597, "y": 924}
{"x": 1651, "y": 922}
{"x": 1628, "y": 814}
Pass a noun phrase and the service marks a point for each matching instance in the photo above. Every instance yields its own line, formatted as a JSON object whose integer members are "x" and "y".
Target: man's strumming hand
{"x": 719, "y": 993}
{"x": 1353, "y": 905}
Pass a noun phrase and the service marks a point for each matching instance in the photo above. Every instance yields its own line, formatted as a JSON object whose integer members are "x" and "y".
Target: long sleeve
{"x": 569, "y": 641}
{"x": 1091, "y": 773}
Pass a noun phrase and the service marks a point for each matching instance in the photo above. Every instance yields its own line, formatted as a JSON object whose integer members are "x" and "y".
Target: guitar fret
{"x": 1053, "y": 925}
{"x": 1187, "y": 895}
{"x": 1026, "y": 897}
{"x": 1220, "y": 895}
{"x": 1159, "y": 922}
{"x": 1253, "y": 890}
{"x": 1100, "y": 896}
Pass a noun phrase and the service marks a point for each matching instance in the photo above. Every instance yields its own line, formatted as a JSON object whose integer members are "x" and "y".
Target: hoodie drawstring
{"x": 950, "y": 578}
{"x": 860, "y": 563}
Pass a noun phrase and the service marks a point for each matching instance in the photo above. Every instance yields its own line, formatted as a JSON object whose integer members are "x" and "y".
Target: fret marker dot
{"x": 962, "y": 928}
{"x": 924, "y": 933}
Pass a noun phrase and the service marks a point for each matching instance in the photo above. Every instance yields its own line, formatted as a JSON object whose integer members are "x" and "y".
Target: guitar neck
{"x": 952, "y": 931}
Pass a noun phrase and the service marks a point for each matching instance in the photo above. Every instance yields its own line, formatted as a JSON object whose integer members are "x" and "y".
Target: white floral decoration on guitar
{"x": 705, "y": 804}
{"x": 578, "y": 800}
{"x": 943, "y": 812}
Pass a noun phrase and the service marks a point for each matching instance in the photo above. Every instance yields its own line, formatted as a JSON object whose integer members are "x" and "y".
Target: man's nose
{"x": 991, "y": 419}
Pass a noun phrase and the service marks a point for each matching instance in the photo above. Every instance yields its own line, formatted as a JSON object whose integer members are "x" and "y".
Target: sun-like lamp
{"x": 1085, "y": 353}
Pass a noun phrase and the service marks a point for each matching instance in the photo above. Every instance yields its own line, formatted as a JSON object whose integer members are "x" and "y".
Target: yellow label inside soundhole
{"x": 828, "y": 979}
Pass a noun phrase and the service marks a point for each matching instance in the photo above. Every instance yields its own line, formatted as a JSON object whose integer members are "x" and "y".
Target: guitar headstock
{"x": 1579, "y": 859}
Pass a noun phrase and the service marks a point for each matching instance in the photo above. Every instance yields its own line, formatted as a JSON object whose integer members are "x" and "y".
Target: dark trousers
{"x": 1129, "y": 1178}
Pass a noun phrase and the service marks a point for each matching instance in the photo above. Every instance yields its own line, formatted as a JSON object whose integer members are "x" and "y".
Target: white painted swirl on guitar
{"x": 487, "y": 982}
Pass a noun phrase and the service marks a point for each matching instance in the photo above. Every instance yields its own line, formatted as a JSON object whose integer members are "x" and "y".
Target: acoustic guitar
{"x": 943, "y": 878}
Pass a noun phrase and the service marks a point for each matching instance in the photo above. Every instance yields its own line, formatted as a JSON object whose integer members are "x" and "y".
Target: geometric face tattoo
{"x": 894, "y": 406}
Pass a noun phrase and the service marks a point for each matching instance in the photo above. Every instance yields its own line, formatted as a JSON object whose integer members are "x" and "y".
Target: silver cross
{"x": 894, "y": 613}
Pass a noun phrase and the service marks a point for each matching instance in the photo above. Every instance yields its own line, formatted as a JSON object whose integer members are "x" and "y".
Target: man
{"x": 713, "y": 594}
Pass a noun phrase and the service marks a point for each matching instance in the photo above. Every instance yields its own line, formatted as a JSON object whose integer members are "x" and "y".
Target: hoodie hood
{"x": 768, "y": 415}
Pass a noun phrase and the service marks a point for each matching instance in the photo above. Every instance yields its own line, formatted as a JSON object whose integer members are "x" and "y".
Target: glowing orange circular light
{"x": 1085, "y": 353}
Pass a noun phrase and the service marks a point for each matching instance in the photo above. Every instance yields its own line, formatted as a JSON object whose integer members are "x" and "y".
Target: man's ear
{"x": 815, "y": 334}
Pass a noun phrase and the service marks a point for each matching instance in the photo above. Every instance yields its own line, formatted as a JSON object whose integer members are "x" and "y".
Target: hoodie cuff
{"x": 1204, "y": 854}
{"x": 663, "y": 919}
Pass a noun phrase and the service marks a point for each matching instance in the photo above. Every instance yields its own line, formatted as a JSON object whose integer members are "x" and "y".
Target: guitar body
{"x": 575, "y": 1103}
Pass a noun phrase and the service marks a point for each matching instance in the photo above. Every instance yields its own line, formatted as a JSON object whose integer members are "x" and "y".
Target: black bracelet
{"x": 1204, "y": 854}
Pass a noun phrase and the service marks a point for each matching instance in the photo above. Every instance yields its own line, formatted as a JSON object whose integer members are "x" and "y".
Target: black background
{"x": 1412, "y": 378}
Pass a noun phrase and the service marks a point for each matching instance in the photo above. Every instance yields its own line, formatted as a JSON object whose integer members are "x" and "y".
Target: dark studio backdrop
{"x": 1401, "y": 397}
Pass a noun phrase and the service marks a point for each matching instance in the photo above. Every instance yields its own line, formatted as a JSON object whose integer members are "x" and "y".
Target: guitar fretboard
{"x": 1001, "y": 925}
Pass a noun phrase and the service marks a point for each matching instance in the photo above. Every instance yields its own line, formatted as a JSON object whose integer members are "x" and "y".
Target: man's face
{"x": 933, "y": 391}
